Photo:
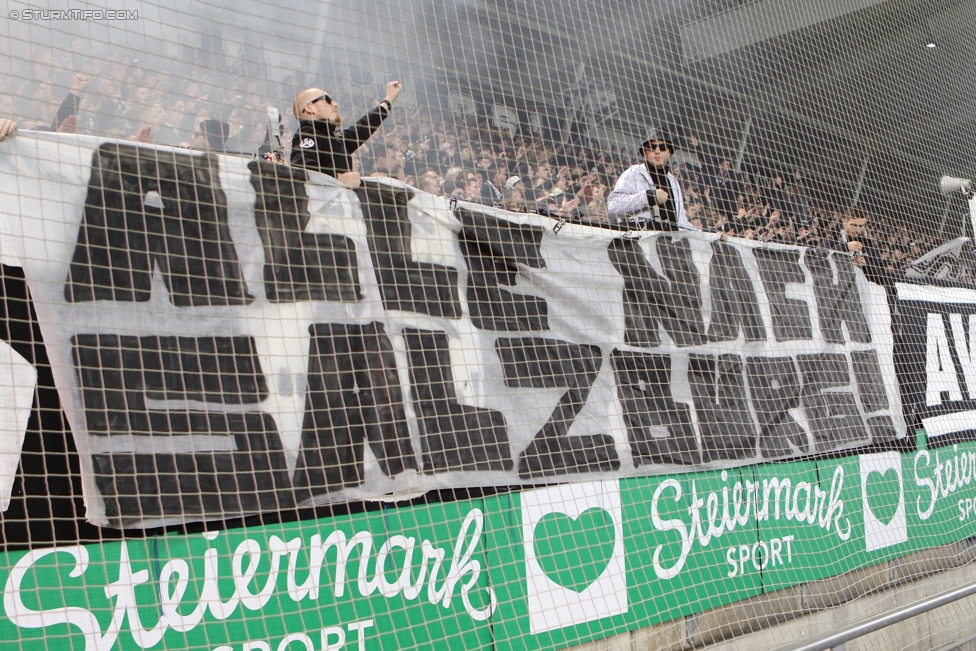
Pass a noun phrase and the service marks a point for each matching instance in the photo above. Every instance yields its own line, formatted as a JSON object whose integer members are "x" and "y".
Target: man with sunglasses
{"x": 647, "y": 196}
{"x": 321, "y": 144}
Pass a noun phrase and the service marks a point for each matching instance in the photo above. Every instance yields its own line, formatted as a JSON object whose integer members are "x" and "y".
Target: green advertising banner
{"x": 540, "y": 569}
{"x": 403, "y": 578}
{"x": 941, "y": 495}
{"x": 678, "y": 533}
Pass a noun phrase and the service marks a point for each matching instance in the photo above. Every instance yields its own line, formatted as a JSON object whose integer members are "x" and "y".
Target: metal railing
{"x": 883, "y": 620}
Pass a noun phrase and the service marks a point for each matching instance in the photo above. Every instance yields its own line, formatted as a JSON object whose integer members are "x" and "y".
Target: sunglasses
{"x": 326, "y": 97}
{"x": 660, "y": 146}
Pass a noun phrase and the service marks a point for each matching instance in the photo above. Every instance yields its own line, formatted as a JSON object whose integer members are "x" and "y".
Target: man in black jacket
{"x": 321, "y": 145}
{"x": 865, "y": 253}
{"x": 776, "y": 196}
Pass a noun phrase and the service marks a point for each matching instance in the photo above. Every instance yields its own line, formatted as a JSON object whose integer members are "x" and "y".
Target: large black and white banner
{"x": 229, "y": 338}
{"x": 934, "y": 326}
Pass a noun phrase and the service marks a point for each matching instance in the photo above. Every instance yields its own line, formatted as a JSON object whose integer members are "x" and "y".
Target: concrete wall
{"x": 790, "y": 616}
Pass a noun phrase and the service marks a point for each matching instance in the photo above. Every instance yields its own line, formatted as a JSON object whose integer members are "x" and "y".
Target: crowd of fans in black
{"x": 441, "y": 152}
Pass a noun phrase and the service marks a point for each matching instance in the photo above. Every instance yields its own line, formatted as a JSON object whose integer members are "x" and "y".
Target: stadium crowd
{"x": 438, "y": 152}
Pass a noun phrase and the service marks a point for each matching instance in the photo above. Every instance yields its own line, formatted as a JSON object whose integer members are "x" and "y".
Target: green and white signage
{"x": 545, "y": 568}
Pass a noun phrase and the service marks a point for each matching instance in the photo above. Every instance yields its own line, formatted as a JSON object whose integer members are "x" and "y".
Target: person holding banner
{"x": 864, "y": 252}
{"x": 320, "y": 144}
{"x": 647, "y": 196}
{"x": 7, "y": 128}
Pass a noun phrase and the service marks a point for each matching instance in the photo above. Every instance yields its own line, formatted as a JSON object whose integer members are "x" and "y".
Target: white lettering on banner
{"x": 956, "y": 421}
{"x": 940, "y": 372}
{"x": 325, "y": 635}
{"x": 823, "y": 330}
{"x": 803, "y": 503}
{"x": 965, "y": 348}
{"x": 966, "y": 508}
{"x": 945, "y": 479}
{"x": 360, "y": 627}
{"x": 936, "y": 294}
{"x": 677, "y": 524}
{"x": 761, "y": 554}
{"x": 175, "y": 577}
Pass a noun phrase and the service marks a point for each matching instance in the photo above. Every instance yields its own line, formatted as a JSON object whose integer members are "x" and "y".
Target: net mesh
{"x": 420, "y": 324}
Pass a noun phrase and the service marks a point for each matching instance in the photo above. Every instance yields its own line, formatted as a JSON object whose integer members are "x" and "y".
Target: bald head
{"x": 315, "y": 104}
{"x": 303, "y": 98}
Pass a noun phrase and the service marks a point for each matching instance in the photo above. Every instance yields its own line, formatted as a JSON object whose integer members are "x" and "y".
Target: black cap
{"x": 658, "y": 133}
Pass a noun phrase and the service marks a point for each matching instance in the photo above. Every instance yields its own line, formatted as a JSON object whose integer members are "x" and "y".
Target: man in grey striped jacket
{"x": 647, "y": 196}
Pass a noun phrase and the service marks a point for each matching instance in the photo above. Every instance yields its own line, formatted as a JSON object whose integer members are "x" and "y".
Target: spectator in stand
{"x": 194, "y": 108}
{"x": 514, "y": 195}
{"x": 774, "y": 222}
{"x": 381, "y": 161}
{"x": 596, "y": 209}
{"x": 608, "y": 173}
{"x": 718, "y": 221}
{"x": 466, "y": 155}
{"x": 102, "y": 105}
{"x": 69, "y": 107}
{"x": 725, "y": 189}
{"x": 766, "y": 235}
{"x": 449, "y": 157}
{"x": 799, "y": 201}
{"x": 541, "y": 182}
{"x": 396, "y": 153}
{"x": 691, "y": 196}
{"x": 587, "y": 184}
{"x": 484, "y": 162}
{"x": 784, "y": 235}
{"x": 491, "y": 189}
{"x": 522, "y": 165}
{"x": 866, "y": 255}
{"x": 320, "y": 145}
{"x": 561, "y": 206}
{"x": 147, "y": 117}
{"x": 564, "y": 173}
{"x": 806, "y": 236}
{"x": 168, "y": 132}
{"x": 776, "y": 196}
{"x": 430, "y": 182}
{"x": 647, "y": 196}
{"x": 414, "y": 158}
{"x": 141, "y": 96}
{"x": 898, "y": 262}
{"x": 454, "y": 174}
{"x": 124, "y": 95}
{"x": 472, "y": 187}
{"x": 431, "y": 157}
